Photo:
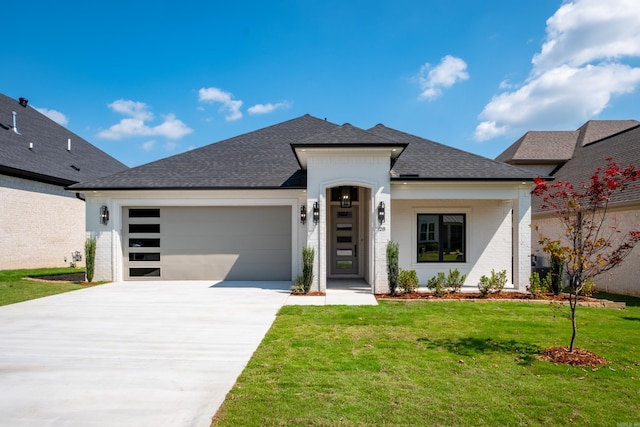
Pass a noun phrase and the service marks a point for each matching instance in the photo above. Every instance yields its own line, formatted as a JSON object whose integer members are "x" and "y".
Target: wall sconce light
{"x": 303, "y": 214}
{"x": 104, "y": 215}
{"x": 316, "y": 213}
{"x": 345, "y": 197}
{"x": 381, "y": 213}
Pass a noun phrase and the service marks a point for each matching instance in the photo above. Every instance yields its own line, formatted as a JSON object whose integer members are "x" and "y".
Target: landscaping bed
{"x": 69, "y": 277}
{"x": 502, "y": 296}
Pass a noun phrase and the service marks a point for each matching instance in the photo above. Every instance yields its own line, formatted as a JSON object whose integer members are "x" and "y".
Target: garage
{"x": 207, "y": 243}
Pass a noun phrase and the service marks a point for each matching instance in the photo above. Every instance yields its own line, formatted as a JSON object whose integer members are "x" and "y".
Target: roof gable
{"x": 541, "y": 146}
{"x": 39, "y": 148}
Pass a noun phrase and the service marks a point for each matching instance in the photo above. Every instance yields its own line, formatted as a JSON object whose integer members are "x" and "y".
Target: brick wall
{"x": 40, "y": 224}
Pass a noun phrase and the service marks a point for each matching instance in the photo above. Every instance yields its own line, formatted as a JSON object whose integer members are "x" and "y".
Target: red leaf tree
{"x": 591, "y": 245}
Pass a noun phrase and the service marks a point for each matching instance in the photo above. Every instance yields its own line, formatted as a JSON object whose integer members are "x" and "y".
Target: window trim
{"x": 440, "y": 211}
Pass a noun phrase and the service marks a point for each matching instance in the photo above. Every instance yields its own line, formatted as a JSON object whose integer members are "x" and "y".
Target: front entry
{"x": 344, "y": 241}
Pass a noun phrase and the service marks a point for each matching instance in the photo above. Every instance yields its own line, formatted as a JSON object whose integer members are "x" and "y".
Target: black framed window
{"x": 441, "y": 238}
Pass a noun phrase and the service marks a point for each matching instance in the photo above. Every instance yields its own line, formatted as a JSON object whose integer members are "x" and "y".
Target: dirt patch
{"x": 477, "y": 295}
{"x": 578, "y": 357}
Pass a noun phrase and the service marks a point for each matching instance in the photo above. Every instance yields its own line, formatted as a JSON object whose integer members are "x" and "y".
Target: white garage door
{"x": 207, "y": 243}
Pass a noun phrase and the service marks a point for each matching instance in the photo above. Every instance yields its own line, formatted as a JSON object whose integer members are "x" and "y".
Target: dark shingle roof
{"x": 595, "y": 130}
{"x": 623, "y": 148}
{"x": 425, "y": 159}
{"x": 264, "y": 159}
{"x": 48, "y": 160}
{"x": 258, "y": 159}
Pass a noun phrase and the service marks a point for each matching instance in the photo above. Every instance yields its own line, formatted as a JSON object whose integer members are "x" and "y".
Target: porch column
{"x": 522, "y": 238}
{"x": 381, "y": 236}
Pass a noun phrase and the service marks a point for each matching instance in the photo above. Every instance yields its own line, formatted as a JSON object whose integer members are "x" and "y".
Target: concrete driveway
{"x": 130, "y": 354}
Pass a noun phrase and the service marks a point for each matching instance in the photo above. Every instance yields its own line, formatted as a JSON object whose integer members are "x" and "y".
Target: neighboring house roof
{"x": 541, "y": 147}
{"x": 623, "y": 147}
{"x": 264, "y": 159}
{"x": 48, "y": 159}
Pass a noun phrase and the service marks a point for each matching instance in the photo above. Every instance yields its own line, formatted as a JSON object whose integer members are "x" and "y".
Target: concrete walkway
{"x": 130, "y": 354}
{"x": 339, "y": 292}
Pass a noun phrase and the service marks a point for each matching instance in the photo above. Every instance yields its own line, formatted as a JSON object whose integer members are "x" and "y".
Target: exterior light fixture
{"x": 316, "y": 213}
{"x": 381, "y": 213}
{"x": 104, "y": 215}
{"x": 345, "y": 197}
{"x": 303, "y": 214}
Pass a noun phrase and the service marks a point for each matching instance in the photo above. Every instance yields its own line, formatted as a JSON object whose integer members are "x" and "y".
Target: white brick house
{"x": 42, "y": 224}
{"x": 243, "y": 209}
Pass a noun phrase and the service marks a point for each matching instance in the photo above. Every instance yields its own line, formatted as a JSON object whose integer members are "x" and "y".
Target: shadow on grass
{"x": 637, "y": 319}
{"x": 524, "y": 353}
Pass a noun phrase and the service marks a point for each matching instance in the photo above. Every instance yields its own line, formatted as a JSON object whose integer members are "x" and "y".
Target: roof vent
{"x": 23, "y": 102}
{"x": 15, "y": 126}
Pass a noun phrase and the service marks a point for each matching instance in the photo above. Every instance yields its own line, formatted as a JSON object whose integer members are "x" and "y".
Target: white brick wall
{"x": 40, "y": 224}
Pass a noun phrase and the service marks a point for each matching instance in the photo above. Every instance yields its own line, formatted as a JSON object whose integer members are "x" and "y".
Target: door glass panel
{"x": 344, "y": 239}
{"x": 344, "y": 252}
{"x": 344, "y": 226}
{"x": 344, "y": 265}
{"x": 345, "y": 214}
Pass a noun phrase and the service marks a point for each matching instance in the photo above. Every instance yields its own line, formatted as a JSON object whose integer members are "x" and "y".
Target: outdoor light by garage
{"x": 316, "y": 213}
{"x": 381, "y": 213}
{"x": 104, "y": 215}
{"x": 303, "y": 214}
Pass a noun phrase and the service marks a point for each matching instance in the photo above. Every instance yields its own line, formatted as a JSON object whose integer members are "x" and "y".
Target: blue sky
{"x": 144, "y": 80}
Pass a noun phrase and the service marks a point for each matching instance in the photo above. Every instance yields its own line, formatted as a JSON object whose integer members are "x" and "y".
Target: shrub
{"x": 308, "y": 254}
{"x": 493, "y": 284}
{"x": 298, "y": 286}
{"x": 408, "y": 280}
{"x": 455, "y": 280}
{"x": 437, "y": 284}
{"x": 588, "y": 288}
{"x": 90, "y": 257}
{"x": 393, "y": 248}
{"x": 441, "y": 284}
{"x": 538, "y": 287}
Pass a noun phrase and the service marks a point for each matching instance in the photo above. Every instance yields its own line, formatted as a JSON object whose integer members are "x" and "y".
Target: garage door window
{"x": 144, "y": 272}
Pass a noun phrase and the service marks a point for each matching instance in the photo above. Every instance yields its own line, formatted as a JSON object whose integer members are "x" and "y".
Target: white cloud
{"x": 267, "y": 108}
{"x": 433, "y": 79}
{"x": 577, "y": 71}
{"x": 54, "y": 115}
{"x": 149, "y": 145}
{"x": 136, "y": 125}
{"x": 231, "y": 107}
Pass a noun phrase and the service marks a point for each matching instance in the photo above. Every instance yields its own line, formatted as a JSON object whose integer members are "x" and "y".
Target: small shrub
{"x": 437, "y": 284}
{"x": 90, "y": 257}
{"x": 494, "y": 284}
{"x": 393, "y": 248}
{"x": 298, "y": 286}
{"x": 441, "y": 284}
{"x": 455, "y": 280}
{"x": 588, "y": 289}
{"x": 538, "y": 288}
{"x": 408, "y": 280}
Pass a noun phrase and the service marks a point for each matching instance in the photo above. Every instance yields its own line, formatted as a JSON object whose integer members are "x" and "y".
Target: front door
{"x": 344, "y": 240}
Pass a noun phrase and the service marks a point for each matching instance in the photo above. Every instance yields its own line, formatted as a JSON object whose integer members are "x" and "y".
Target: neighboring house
{"x": 243, "y": 209}
{"x": 574, "y": 156}
{"x": 42, "y": 224}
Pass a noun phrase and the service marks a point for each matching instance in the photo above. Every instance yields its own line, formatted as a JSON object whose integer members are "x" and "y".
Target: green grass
{"x": 15, "y": 288}
{"x": 439, "y": 364}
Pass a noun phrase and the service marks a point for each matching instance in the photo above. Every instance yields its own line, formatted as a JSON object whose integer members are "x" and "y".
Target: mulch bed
{"x": 578, "y": 357}
{"x": 71, "y": 277}
{"x": 477, "y": 295}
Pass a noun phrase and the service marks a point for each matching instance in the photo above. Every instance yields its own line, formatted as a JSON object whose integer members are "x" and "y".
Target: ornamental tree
{"x": 591, "y": 244}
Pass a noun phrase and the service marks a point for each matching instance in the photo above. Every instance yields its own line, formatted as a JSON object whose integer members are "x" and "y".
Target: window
{"x": 441, "y": 238}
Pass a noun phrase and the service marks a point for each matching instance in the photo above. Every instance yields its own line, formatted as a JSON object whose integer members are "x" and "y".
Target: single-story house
{"x": 573, "y": 156}
{"x": 41, "y": 223}
{"x": 244, "y": 208}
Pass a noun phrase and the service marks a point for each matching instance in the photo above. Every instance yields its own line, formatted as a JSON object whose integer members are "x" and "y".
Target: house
{"x": 244, "y": 208}
{"x": 42, "y": 224}
{"x": 573, "y": 156}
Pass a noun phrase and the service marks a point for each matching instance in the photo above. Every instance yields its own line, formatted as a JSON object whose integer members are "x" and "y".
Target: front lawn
{"x": 14, "y": 287}
{"x": 440, "y": 364}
